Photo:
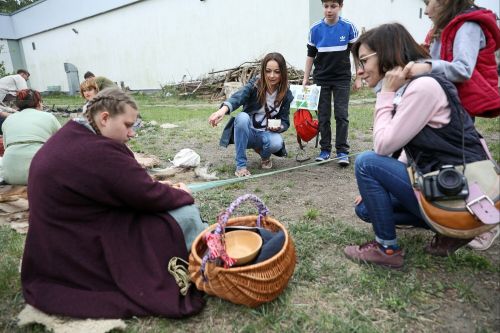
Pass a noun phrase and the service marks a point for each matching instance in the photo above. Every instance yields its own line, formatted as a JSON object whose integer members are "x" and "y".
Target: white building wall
{"x": 160, "y": 41}
{"x": 5, "y": 56}
{"x": 369, "y": 14}
{"x": 493, "y": 5}
{"x": 47, "y": 14}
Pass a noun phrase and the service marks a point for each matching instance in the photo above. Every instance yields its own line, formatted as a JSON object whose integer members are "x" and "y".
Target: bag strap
{"x": 481, "y": 206}
{"x": 299, "y": 141}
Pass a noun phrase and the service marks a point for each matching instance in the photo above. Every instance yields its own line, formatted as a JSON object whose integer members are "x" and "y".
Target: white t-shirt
{"x": 259, "y": 119}
{"x": 10, "y": 84}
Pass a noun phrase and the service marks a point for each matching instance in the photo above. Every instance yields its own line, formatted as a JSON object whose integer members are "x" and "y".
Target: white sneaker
{"x": 484, "y": 241}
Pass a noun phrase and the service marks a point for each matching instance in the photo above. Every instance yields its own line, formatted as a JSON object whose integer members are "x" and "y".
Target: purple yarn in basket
{"x": 222, "y": 219}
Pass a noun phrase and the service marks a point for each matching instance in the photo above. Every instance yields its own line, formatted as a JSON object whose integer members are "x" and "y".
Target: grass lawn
{"x": 327, "y": 293}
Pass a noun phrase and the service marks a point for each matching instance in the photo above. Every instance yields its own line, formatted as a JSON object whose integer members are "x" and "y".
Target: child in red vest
{"x": 462, "y": 44}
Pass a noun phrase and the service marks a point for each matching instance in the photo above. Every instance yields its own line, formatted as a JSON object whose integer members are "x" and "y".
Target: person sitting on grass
{"x": 24, "y": 133}
{"x": 418, "y": 117}
{"x": 88, "y": 90}
{"x": 101, "y": 81}
{"x": 263, "y": 98}
{"x": 104, "y": 237}
{"x": 11, "y": 84}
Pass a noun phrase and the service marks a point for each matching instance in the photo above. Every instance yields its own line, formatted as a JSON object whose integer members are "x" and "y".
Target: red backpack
{"x": 307, "y": 128}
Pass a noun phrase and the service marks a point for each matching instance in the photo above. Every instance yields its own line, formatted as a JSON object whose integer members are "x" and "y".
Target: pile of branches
{"x": 211, "y": 86}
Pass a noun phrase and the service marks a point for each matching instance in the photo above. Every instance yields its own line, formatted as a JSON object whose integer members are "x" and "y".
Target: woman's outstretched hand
{"x": 217, "y": 116}
{"x": 396, "y": 77}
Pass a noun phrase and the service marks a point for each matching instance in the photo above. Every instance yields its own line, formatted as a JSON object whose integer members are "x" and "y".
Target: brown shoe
{"x": 370, "y": 253}
{"x": 443, "y": 246}
{"x": 266, "y": 164}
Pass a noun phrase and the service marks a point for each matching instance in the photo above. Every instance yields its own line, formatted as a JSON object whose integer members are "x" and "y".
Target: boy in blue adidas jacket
{"x": 328, "y": 49}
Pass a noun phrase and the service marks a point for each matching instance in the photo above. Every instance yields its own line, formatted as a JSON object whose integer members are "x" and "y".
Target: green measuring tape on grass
{"x": 197, "y": 187}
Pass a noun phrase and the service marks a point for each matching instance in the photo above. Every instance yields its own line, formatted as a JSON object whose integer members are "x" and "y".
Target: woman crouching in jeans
{"x": 266, "y": 99}
{"x": 418, "y": 117}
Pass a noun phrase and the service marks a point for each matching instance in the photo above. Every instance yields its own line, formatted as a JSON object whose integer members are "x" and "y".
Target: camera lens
{"x": 449, "y": 181}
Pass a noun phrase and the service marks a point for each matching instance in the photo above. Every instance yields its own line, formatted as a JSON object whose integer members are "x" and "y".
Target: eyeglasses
{"x": 362, "y": 60}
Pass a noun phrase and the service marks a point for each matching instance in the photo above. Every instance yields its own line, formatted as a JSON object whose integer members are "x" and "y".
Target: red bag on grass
{"x": 307, "y": 128}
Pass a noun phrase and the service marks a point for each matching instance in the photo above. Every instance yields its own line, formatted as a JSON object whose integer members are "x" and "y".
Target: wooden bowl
{"x": 243, "y": 245}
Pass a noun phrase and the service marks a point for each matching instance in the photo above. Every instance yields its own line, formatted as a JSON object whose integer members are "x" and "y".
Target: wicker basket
{"x": 250, "y": 285}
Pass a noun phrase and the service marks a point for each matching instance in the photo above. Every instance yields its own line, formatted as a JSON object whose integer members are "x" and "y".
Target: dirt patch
{"x": 330, "y": 190}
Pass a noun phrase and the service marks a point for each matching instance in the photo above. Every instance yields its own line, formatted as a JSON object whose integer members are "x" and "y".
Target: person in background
{"x": 101, "y": 81}
{"x": 328, "y": 48}
{"x": 24, "y": 133}
{"x": 11, "y": 84}
{"x": 88, "y": 75}
{"x": 105, "y": 239}
{"x": 416, "y": 116}
{"x": 265, "y": 99}
{"x": 88, "y": 90}
{"x": 462, "y": 45}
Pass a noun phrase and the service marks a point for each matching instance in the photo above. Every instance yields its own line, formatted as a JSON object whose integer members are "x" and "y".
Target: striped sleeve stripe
{"x": 354, "y": 29}
{"x": 309, "y": 39}
{"x": 316, "y": 23}
{"x": 332, "y": 48}
{"x": 310, "y": 32}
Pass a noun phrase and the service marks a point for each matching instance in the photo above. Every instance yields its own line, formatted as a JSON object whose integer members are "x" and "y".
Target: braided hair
{"x": 112, "y": 100}
{"x": 28, "y": 98}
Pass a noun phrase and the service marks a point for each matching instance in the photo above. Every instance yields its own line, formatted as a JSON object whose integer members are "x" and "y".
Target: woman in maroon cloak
{"x": 100, "y": 239}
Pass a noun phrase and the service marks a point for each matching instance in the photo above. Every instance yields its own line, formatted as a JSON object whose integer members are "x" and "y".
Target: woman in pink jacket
{"x": 417, "y": 116}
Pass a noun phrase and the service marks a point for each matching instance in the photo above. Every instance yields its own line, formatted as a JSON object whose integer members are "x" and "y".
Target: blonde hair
{"x": 88, "y": 84}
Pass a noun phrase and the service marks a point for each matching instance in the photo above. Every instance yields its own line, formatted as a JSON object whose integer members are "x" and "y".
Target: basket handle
{"x": 223, "y": 217}
{"x": 215, "y": 241}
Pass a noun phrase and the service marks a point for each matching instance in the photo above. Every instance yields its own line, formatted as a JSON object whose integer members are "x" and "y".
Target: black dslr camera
{"x": 448, "y": 184}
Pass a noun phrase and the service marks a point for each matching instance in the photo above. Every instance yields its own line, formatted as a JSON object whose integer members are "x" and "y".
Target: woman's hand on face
{"x": 396, "y": 77}
{"x": 217, "y": 116}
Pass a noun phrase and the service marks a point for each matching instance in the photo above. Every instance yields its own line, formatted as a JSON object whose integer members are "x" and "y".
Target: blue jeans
{"x": 246, "y": 137}
{"x": 388, "y": 196}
